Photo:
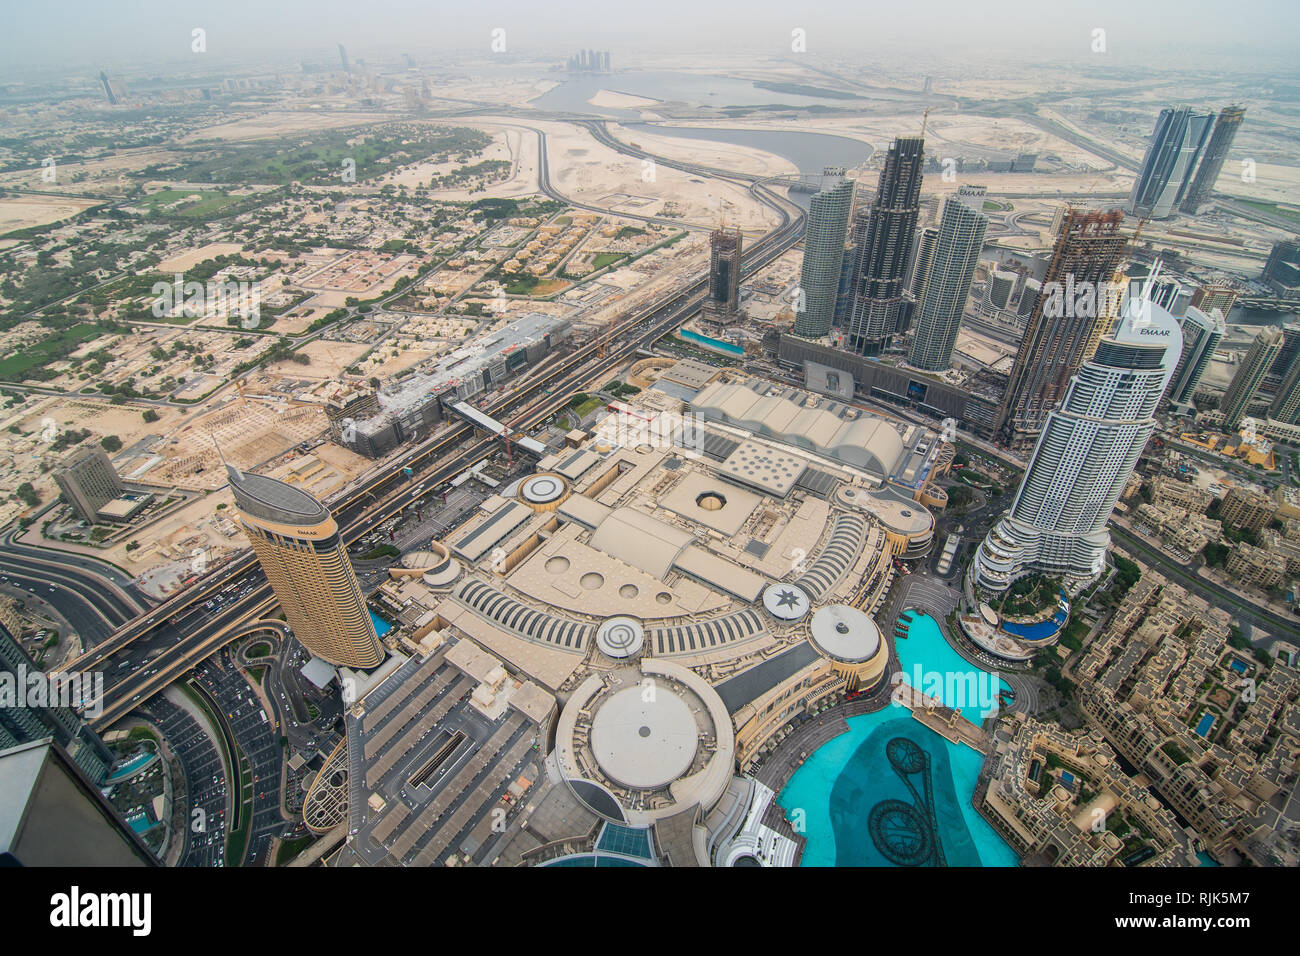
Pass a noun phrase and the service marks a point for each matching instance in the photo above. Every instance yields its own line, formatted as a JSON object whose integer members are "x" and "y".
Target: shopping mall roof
{"x": 809, "y": 421}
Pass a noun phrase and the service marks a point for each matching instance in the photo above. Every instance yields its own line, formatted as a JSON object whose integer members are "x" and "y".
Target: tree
{"x": 111, "y": 443}
{"x": 150, "y": 415}
{"x": 28, "y": 494}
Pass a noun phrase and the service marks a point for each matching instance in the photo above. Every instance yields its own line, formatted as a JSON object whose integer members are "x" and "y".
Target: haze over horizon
{"x": 1194, "y": 36}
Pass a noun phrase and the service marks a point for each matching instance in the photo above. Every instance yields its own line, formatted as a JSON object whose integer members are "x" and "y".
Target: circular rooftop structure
{"x": 845, "y": 634}
{"x": 620, "y": 637}
{"x": 644, "y": 740}
{"x": 786, "y": 602}
{"x": 543, "y": 490}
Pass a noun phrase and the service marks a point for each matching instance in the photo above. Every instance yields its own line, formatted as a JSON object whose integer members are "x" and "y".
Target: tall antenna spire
{"x": 229, "y": 467}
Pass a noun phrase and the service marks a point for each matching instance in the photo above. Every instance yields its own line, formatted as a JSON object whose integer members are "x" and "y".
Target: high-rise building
{"x": 88, "y": 481}
{"x": 1170, "y": 293}
{"x": 1207, "y": 174}
{"x": 997, "y": 292}
{"x": 1286, "y": 358}
{"x": 823, "y": 253}
{"x": 298, "y": 545}
{"x": 1028, "y": 298}
{"x": 1085, "y": 455}
{"x": 1250, "y": 375}
{"x": 724, "y": 271}
{"x": 52, "y": 815}
{"x": 921, "y": 259}
{"x": 1202, "y": 334}
{"x": 343, "y": 58}
{"x": 1282, "y": 271}
{"x": 1210, "y": 296}
{"x": 881, "y": 306}
{"x": 1285, "y": 406}
{"x": 1075, "y": 307}
{"x": 1165, "y": 175}
{"x": 25, "y": 720}
{"x": 952, "y": 267}
{"x": 108, "y": 88}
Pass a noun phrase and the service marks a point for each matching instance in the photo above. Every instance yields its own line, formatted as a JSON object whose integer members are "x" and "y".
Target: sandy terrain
{"x": 328, "y": 359}
{"x": 193, "y": 257}
{"x": 27, "y": 211}
{"x": 611, "y": 99}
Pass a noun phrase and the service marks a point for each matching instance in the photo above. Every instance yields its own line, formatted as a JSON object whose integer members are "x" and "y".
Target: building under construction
{"x": 372, "y": 422}
{"x": 1073, "y": 311}
{"x": 722, "y": 304}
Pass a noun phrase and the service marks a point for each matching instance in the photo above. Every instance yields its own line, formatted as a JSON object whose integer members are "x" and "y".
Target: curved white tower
{"x": 1085, "y": 454}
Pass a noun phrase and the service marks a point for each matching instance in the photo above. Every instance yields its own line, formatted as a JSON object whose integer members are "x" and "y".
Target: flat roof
{"x": 479, "y": 541}
{"x": 644, "y": 744}
{"x": 691, "y": 373}
{"x": 764, "y": 467}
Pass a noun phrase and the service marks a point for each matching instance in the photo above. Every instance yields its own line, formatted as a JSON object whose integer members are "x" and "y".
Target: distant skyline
{"x": 87, "y": 35}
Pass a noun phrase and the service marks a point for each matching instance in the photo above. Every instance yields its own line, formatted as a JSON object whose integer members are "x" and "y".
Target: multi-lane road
{"x": 151, "y": 651}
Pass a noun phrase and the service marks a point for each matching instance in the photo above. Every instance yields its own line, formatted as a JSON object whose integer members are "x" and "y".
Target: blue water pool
{"x": 1206, "y": 722}
{"x": 132, "y": 766}
{"x": 1040, "y": 631}
{"x": 891, "y": 792}
{"x": 382, "y": 627}
{"x": 1238, "y": 665}
{"x": 931, "y": 665}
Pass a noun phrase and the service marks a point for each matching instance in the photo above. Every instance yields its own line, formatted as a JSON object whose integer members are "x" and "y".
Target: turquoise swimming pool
{"x": 382, "y": 627}
{"x": 891, "y": 792}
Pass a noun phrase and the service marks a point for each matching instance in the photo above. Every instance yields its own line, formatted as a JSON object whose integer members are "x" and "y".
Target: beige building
{"x": 1257, "y": 567}
{"x": 88, "y": 481}
{"x": 297, "y": 543}
{"x": 1247, "y": 509}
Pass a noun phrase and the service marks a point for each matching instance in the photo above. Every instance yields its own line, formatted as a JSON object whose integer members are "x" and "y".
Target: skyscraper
{"x": 108, "y": 88}
{"x": 1245, "y": 383}
{"x": 298, "y": 545}
{"x": 823, "y": 253}
{"x": 23, "y": 721}
{"x": 1210, "y": 296}
{"x": 52, "y": 815}
{"x": 1286, "y": 403}
{"x": 1202, "y": 334}
{"x": 1085, "y": 455}
{"x": 1165, "y": 176}
{"x": 881, "y": 306}
{"x": 343, "y": 58}
{"x": 952, "y": 267}
{"x": 724, "y": 271}
{"x": 1075, "y": 307}
{"x": 925, "y": 241}
{"x": 88, "y": 481}
{"x": 1207, "y": 174}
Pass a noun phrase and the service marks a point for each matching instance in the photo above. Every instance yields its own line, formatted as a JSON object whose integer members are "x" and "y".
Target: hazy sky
{"x": 79, "y": 35}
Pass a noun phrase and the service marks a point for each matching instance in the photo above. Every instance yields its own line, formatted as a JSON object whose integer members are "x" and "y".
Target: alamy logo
{"x": 972, "y": 692}
{"x": 1086, "y": 300}
{"x": 34, "y": 688}
{"x": 74, "y": 909}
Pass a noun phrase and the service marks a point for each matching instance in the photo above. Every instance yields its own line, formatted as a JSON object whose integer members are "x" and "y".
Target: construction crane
{"x": 925, "y": 119}
{"x": 609, "y": 334}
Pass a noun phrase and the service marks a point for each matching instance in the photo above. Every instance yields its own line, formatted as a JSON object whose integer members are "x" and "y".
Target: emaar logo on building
{"x": 76, "y": 909}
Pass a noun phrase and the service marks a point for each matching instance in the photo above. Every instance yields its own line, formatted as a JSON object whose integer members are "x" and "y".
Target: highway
{"x": 150, "y": 652}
